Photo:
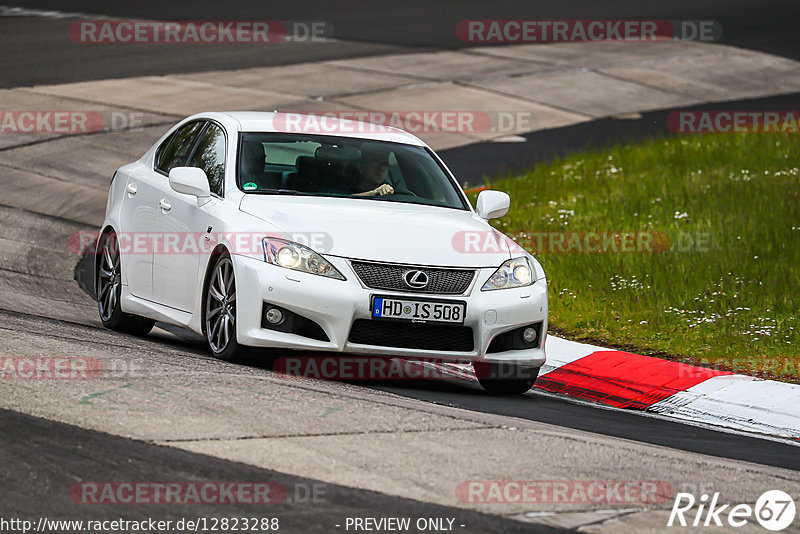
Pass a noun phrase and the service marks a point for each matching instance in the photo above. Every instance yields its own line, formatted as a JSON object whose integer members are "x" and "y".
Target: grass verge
{"x": 687, "y": 247}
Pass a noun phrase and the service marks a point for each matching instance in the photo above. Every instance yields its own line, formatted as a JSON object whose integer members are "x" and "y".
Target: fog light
{"x": 274, "y": 316}
{"x": 529, "y": 334}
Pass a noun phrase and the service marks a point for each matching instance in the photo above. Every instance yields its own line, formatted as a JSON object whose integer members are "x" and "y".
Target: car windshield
{"x": 275, "y": 163}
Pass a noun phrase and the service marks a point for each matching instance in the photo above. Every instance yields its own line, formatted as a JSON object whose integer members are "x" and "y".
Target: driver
{"x": 373, "y": 173}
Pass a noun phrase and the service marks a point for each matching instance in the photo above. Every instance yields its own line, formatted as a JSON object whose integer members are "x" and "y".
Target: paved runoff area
{"x": 448, "y": 98}
{"x": 165, "y": 390}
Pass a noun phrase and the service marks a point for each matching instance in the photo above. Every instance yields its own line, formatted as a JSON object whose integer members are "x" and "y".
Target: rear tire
{"x": 108, "y": 285}
{"x": 505, "y": 378}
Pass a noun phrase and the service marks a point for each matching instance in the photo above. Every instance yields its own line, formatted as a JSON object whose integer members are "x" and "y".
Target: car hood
{"x": 382, "y": 230}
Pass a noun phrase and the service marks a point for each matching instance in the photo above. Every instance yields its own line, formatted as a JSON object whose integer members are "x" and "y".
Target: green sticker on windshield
{"x": 249, "y": 186}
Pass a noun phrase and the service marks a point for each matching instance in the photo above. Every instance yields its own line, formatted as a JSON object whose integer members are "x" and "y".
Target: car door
{"x": 139, "y": 215}
{"x": 144, "y": 191}
{"x": 176, "y": 272}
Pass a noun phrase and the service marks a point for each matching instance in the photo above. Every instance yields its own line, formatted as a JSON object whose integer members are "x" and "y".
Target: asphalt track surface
{"x": 34, "y": 50}
{"x": 65, "y": 454}
{"x": 482, "y": 161}
{"x": 38, "y": 455}
{"x": 536, "y": 406}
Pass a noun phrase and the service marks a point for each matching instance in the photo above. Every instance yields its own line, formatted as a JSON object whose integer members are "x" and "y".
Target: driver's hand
{"x": 381, "y": 190}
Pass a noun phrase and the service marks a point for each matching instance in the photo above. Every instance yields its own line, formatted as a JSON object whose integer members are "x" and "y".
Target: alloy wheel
{"x": 108, "y": 279}
{"x": 221, "y": 306}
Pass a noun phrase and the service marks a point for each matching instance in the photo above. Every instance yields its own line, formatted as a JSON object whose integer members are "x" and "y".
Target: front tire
{"x": 219, "y": 310}
{"x": 108, "y": 284}
{"x": 505, "y": 378}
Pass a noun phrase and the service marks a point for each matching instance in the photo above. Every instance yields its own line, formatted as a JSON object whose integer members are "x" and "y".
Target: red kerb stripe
{"x": 624, "y": 379}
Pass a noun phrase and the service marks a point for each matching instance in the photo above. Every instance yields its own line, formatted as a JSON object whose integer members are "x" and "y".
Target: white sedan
{"x": 341, "y": 237}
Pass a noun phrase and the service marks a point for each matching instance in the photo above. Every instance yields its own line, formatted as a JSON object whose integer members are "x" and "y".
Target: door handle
{"x": 131, "y": 189}
{"x": 164, "y": 205}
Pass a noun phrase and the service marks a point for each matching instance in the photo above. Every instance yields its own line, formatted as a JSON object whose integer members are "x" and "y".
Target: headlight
{"x": 297, "y": 257}
{"x": 513, "y": 273}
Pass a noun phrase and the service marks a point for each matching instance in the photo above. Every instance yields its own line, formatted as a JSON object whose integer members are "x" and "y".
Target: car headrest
{"x": 315, "y": 174}
{"x": 306, "y": 165}
{"x": 337, "y": 154}
{"x": 253, "y": 158}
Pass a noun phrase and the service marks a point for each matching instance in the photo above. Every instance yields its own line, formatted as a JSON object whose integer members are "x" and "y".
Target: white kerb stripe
{"x": 739, "y": 402}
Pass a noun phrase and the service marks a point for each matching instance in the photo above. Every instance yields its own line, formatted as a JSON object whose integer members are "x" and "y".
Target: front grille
{"x": 389, "y": 276}
{"x": 448, "y": 338}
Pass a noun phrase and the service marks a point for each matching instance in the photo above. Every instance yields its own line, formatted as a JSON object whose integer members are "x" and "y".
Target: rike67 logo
{"x": 774, "y": 510}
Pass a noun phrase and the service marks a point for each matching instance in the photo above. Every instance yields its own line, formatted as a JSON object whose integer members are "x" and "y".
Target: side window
{"x": 178, "y": 148}
{"x": 162, "y": 148}
{"x": 210, "y": 156}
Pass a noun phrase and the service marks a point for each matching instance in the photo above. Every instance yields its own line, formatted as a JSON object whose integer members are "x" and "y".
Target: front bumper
{"x": 336, "y": 304}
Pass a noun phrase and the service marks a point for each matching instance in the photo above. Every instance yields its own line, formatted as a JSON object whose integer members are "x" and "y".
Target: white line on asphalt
{"x": 10, "y": 11}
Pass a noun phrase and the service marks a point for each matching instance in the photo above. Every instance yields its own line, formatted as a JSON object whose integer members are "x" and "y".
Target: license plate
{"x": 418, "y": 311}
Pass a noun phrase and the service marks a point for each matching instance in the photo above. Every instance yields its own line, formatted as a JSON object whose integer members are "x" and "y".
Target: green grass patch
{"x": 719, "y": 284}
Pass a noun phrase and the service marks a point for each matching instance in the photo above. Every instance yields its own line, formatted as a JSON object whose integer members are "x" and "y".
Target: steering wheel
{"x": 405, "y": 192}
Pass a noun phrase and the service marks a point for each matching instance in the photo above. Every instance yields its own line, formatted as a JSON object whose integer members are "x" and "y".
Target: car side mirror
{"x": 190, "y": 181}
{"x": 492, "y": 204}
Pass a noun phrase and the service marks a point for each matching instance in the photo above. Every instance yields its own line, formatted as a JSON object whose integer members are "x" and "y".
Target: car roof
{"x": 316, "y": 124}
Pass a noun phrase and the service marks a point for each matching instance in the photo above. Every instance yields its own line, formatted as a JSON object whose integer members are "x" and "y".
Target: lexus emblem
{"x": 416, "y": 279}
